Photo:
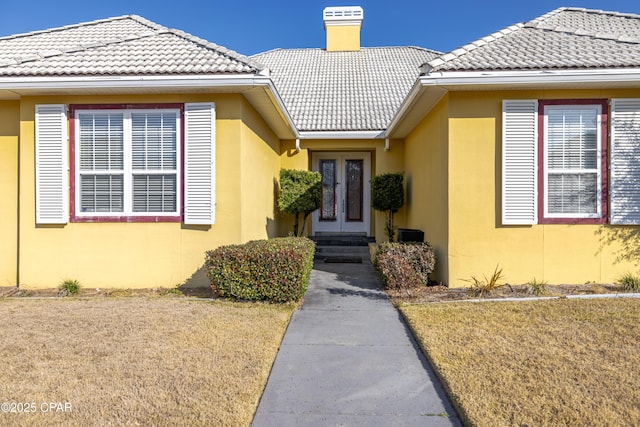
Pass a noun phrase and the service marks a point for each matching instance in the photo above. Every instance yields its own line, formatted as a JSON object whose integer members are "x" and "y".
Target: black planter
{"x": 410, "y": 235}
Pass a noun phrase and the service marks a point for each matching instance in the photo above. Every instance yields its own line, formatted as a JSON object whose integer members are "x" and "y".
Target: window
{"x": 554, "y": 162}
{"x": 572, "y": 175}
{"x": 127, "y": 162}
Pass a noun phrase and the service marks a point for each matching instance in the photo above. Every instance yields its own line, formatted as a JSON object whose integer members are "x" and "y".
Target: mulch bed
{"x": 433, "y": 293}
{"x": 12, "y": 291}
{"x": 439, "y": 293}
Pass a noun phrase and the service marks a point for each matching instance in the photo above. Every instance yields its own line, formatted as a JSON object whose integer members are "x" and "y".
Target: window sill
{"x": 126, "y": 219}
{"x": 572, "y": 221}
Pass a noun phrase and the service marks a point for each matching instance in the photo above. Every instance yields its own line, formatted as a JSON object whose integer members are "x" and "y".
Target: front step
{"x": 342, "y": 248}
{"x": 342, "y": 240}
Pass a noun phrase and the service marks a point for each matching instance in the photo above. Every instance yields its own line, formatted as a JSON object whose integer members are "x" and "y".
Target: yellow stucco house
{"x": 128, "y": 149}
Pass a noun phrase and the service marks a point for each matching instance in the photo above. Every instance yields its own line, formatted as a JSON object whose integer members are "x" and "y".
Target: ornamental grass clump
{"x": 404, "y": 265}
{"x": 486, "y": 285}
{"x": 275, "y": 270}
{"x": 537, "y": 287}
{"x": 69, "y": 287}
{"x": 630, "y": 282}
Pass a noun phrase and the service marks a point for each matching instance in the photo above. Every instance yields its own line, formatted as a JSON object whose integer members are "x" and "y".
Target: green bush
{"x": 300, "y": 194}
{"x": 404, "y": 265}
{"x": 69, "y": 287}
{"x": 387, "y": 195}
{"x": 275, "y": 270}
{"x": 536, "y": 287}
{"x": 630, "y": 282}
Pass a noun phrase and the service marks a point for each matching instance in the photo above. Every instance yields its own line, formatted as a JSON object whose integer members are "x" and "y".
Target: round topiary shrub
{"x": 404, "y": 265}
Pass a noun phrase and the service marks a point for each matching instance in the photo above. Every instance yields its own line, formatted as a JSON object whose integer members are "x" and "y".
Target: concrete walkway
{"x": 348, "y": 359}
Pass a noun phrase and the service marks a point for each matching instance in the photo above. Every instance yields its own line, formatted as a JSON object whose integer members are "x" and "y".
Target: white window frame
{"x": 128, "y": 170}
{"x": 546, "y": 172}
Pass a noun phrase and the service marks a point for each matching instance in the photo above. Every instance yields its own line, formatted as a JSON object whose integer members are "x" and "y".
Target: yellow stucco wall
{"x": 426, "y": 165}
{"x": 343, "y": 38}
{"x": 477, "y": 240}
{"x": 9, "y": 130}
{"x": 132, "y": 255}
{"x": 259, "y": 169}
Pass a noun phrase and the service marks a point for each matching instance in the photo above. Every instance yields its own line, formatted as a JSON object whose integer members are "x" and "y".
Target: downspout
{"x": 386, "y": 144}
{"x": 18, "y": 222}
{"x": 297, "y": 145}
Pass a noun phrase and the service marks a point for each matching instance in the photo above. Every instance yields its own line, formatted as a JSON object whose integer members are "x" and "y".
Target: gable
{"x": 566, "y": 38}
{"x": 123, "y": 45}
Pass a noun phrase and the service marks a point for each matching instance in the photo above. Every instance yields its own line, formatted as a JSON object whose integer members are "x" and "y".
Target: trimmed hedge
{"x": 404, "y": 265}
{"x": 275, "y": 270}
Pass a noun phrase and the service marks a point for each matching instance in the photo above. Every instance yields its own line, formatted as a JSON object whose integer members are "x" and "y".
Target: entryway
{"x": 346, "y": 205}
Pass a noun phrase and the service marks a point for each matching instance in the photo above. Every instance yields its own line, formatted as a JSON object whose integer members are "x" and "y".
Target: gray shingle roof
{"x": 125, "y": 45}
{"x": 344, "y": 91}
{"x": 566, "y": 38}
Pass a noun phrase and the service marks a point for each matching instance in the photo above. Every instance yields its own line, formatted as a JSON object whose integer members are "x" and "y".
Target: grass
{"x": 486, "y": 285}
{"x": 69, "y": 287}
{"x": 554, "y": 362}
{"x": 537, "y": 287}
{"x": 630, "y": 282}
{"x": 137, "y": 361}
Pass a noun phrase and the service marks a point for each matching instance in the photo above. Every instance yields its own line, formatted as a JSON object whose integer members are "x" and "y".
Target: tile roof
{"x": 344, "y": 91}
{"x": 566, "y": 38}
{"x": 125, "y": 45}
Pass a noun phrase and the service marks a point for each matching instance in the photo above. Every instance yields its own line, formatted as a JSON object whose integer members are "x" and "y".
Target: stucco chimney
{"x": 342, "y": 25}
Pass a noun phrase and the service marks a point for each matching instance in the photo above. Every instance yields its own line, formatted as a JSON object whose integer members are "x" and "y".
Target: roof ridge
{"x": 140, "y": 19}
{"x": 546, "y": 16}
{"x": 456, "y": 53}
{"x": 362, "y": 48}
{"x": 592, "y": 11}
{"x": 155, "y": 29}
{"x": 220, "y": 49}
{"x": 539, "y": 23}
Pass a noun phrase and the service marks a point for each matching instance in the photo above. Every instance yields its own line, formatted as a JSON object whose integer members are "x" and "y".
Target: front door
{"x": 346, "y": 195}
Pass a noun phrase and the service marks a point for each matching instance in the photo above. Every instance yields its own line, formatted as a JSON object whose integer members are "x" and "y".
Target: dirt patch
{"x": 201, "y": 292}
{"x": 439, "y": 293}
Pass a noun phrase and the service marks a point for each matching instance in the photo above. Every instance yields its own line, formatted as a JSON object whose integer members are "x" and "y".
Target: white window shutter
{"x": 52, "y": 169}
{"x": 624, "y": 189}
{"x": 199, "y": 163}
{"x": 519, "y": 162}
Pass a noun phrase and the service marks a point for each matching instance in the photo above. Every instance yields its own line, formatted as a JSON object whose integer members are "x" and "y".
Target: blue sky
{"x": 250, "y": 27}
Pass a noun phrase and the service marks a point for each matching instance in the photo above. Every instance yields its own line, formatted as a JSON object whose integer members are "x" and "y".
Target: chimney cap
{"x": 343, "y": 15}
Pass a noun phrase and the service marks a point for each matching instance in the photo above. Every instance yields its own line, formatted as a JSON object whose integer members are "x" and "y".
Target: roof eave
{"x": 523, "y": 79}
{"x": 430, "y": 89}
{"x": 416, "y": 105}
{"x": 257, "y": 89}
{"x": 354, "y": 134}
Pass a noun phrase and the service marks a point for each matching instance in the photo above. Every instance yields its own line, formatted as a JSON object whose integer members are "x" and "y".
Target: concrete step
{"x": 360, "y": 250}
{"x": 342, "y": 254}
{"x": 342, "y": 240}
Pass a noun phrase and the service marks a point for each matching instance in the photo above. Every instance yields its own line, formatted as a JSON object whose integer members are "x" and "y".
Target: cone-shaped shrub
{"x": 300, "y": 194}
{"x": 387, "y": 195}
